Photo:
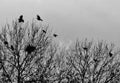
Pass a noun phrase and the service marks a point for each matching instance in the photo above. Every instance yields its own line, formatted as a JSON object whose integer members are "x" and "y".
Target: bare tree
{"x": 94, "y": 63}
{"x": 23, "y": 50}
{"x": 28, "y": 54}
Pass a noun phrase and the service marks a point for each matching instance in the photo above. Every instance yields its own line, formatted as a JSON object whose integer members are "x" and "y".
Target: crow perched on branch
{"x": 95, "y": 60}
{"x": 44, "y": 31}
{"x": 29, "y": 49}
{"x": 5, "y": 42}
{"x": 55, "y": 35}
{"x": 110, "y": 54}
{"x": 12, "y": 48}
{"x": 85, "y": 48}
{"x": 39, "y": 18}
{"x": 20, "y": 19}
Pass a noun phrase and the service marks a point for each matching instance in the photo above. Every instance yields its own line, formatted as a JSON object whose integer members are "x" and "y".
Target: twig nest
{"x": 30, "y": 48}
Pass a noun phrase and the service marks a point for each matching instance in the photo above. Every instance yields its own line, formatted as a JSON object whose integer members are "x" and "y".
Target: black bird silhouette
{"x": 39, "y": 18}
{"x": 44, "y": 31}
{"x": 110, "y": 54}
{"x": 21, "y": 19}
{"x": 12, "y": 48}
{"x": 95, "y": 60}
{"x": 5, "y": 42}
{"x": 29, "y": 49}
{"x": 55, "y": 35}
{"x": 85, "y": 48}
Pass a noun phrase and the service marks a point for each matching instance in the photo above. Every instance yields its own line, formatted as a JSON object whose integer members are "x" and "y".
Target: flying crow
{"x": 39, "y": 18}
{"x": 55, "y": 35}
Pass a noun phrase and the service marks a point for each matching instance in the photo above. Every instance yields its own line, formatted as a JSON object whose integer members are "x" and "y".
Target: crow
{"x": 20, "y": 19}
{"x": 85, "y": 48}
{"x": 110, "y": 54}
{"x": 12, "y": 48}
{"x": 29, "y": 49}
{"x": 44, "y": 31}
{"x": 95, "y": 60}
{"x": 39, "y": 18}
{"x": 5, "y": 42}
{"x": 55, "y": 35}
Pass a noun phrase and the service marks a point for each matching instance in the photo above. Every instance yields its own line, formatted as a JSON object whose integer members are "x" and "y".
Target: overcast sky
{"x": 71, "y": 19}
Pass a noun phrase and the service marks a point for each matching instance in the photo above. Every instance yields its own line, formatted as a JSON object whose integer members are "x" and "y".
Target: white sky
{"x": 71, "y": 19}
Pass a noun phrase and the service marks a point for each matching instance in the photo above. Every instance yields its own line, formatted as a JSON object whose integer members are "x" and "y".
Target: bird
{"x": 5, "y": 42}
{"x": 85, "y": 48}
{"x": 29, "y": 49}
{"x": 39, "y": 18}
{"x": 12, "y": 48}
{"x": 44, "y": 31}
{"x": 55, "y": 35}
{"x": 95, "y": 60}
{"x": 21, "y": 19}
{"x": 110, "y": 54}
